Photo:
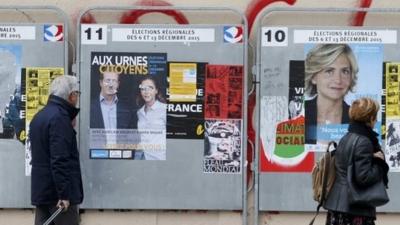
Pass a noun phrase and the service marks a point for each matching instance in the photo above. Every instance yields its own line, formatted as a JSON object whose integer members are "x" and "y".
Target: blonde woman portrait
{"x": 330, "y": 74}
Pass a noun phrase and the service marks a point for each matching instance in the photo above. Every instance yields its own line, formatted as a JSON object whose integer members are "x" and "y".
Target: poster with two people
{"x": 128, "y": 106}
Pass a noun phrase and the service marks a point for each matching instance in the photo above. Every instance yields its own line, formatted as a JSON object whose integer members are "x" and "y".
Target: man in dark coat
{"x": 56, "y": 173}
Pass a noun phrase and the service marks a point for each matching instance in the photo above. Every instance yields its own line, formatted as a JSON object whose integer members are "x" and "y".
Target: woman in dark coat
{"x": 369, "y": 163}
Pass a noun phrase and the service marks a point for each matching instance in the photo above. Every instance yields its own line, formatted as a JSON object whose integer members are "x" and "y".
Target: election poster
{"x": 128, "y": 106}
{"x": 182, "y": 82}
{"x": 224, "y": 92}
{"x": 383, "y": 103}
{"x": 223, "y": 114}
{"x": 185, "y": 112}
{"x": 288, "y": 140}
{"x": 296, "y": 88}
{"x": 326, "y": 123}
{"x": 392, "y": 115}
{"x": 392, "y": 90}
{"x": 36, "y": 89}
{"x": 304, "y": 102}
{"x": 392, "y": 147}
{"x": 11, "y": 122}
{"x": 222, "y": 152}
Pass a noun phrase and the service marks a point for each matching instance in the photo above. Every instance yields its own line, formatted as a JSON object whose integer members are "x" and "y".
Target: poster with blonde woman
{"x": 336, "y": 75}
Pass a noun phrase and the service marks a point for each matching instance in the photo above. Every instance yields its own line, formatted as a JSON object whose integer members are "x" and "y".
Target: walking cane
{"x": 53, "y": 216}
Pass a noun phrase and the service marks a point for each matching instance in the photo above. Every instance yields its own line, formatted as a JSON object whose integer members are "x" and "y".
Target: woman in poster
{"x": 330, "y": 73}
{"x": 152, "y": 119}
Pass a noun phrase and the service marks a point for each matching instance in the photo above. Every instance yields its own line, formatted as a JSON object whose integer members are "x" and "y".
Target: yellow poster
{"x": 182, "y": 82}
{"x": 38, "y": 81}
{"x": 37, "y": 86}
{"x": 392, "y": 90}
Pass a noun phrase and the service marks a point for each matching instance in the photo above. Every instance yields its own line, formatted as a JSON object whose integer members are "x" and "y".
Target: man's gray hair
{"x": 63, "y": 86}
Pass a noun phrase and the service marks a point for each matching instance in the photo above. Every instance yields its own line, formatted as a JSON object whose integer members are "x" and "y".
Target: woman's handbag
{"x": 374, "y": 195}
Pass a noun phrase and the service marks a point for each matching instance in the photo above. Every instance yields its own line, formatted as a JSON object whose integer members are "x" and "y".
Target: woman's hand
{"x": 379, "y": 154}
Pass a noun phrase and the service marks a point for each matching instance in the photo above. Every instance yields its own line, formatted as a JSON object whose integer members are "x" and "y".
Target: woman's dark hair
{"x": 159, "y": 95}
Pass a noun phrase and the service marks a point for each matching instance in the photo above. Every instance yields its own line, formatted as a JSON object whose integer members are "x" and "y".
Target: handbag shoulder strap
{"x": 352, "y": 141}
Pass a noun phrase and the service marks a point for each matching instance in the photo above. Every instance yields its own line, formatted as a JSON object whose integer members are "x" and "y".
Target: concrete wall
{"x": 95, "y": 217}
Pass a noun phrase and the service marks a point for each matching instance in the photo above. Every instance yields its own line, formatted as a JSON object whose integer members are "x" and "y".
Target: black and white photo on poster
{"x": 392, "y": 148}
{"x": 296, "y": 88}
{"x": 223, "y": 146}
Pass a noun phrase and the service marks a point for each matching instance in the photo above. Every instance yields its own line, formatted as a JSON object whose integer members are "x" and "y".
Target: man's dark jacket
{"x": 56, "y": 172}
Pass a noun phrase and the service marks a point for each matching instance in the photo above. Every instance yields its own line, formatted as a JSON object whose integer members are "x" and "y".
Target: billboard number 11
{"x": 99, "y": 33}
{"x": 94, "y": 34}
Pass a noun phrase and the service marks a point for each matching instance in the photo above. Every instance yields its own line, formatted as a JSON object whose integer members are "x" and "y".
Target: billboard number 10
{"x": 279, "y": 35}
{"x": 275, "y": 36}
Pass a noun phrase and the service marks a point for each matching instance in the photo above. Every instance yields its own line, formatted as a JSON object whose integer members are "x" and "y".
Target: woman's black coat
{"x": 368, "y": 170}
